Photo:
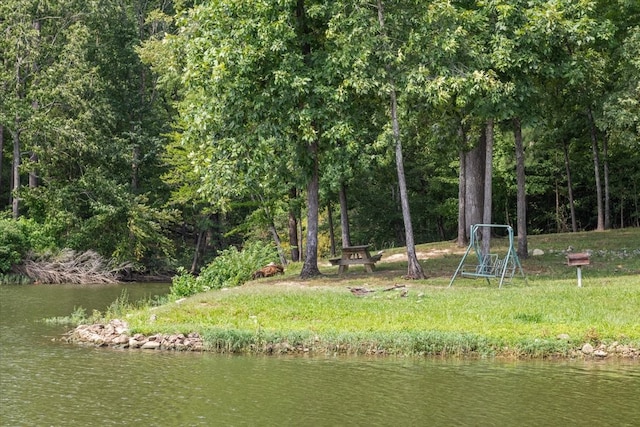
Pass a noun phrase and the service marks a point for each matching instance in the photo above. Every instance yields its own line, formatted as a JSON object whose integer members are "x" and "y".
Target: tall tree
{"x": 475, "y": 163}
{"x": 521, "y": 204}
{"x": 60, "y": 113}
{"x": 305, "y": 36}
{"x": 621, "y": 115}
{"x": 414, "y": 269}
{"x": 516, "y": 62}
{"x": 597, "y": 167}
{"x": 255, "y": 104}
{"x": 462, "y": 185}
{"x": 565, "y": 150}
{"x": 569, "y": 37}
{"x": 487, "y": 204}
{"x": 292, "y": 224}
{"x": 344, "y": 216}
{"x": 1, "y": 156}
{"x": 21, "y": 51}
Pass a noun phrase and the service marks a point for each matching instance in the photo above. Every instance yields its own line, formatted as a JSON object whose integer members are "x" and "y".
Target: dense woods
{"x": 159, "y": 133}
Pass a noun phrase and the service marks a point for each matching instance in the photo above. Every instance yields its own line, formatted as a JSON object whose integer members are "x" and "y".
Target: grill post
{"x": 578, "y": 260}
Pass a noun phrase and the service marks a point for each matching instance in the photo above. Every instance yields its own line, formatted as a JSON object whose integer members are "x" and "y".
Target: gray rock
{"x": 587, "y": 348}
{"x": 538, "y": 252}
{"x": 150, "y": 345}
{"x": 121, "y": 339}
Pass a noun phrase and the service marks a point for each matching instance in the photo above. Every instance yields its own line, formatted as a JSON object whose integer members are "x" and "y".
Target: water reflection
{"x": 52, "y": 383}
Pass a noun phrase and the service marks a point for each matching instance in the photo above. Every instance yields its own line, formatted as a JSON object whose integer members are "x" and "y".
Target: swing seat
{"x": 486, "y": 268}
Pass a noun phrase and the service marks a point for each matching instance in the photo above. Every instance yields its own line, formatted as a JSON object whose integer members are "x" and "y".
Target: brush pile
{"x": 69, "y": 266}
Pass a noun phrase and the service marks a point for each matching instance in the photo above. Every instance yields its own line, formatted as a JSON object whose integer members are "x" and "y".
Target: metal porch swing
{"x": 489, "y": 265}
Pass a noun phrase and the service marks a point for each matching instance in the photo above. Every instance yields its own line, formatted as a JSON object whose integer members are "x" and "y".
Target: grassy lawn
{"x": 544, "y": 316}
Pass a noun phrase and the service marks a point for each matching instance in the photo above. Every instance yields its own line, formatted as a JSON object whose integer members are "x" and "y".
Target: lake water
{"x": 47, "y": 382}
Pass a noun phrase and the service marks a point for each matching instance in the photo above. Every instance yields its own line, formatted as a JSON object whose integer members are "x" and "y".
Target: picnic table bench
{"x": 354, "y": 255}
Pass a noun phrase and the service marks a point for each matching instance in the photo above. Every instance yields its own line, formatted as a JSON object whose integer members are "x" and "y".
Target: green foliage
{"x": 407, "y": 343}
{"x": 184, "y": 284}
{"x": 14, "y": 244}
{"x": 147, "y": 120}
{"x": 120, "y": 306}
{"x": 230, "y": 341}
{"x": 621, "y": 115}
{"x": 130, "y": 227}
{"x": 14, "y": 279}
{"x": 540, "y": 347}
{"x": 147, "y": 239}
{"x": 72, "y": 69}
{"x": 77, "y": 317}
{"x": 230, "y": 268}
{"x": 39, "y": 236}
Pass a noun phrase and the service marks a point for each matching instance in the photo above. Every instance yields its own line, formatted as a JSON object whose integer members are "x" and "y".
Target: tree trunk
{"x": 33, "y": 157}
{"x": 1, "y": 157}
{"x": 474, "y": 191}
{"x": 310, "y": 266}
{"x": 637, "y": 205}
{"x": 622, "y": 212}
{"x": 196, "y": 253}
{"x": 574, "y": 223}
{"x": 332, "y": 235}
{"x": 301, "y": 238}
{"x": 607, "y": 195}
{"x": 344, "y": 216}
{"x": 559, "y": 225}
{"x": 272, "y": 228}
{"x": 414, "y": 269}
{"x": 596, "y": 168}
{"x": 488, "y": 190}
{"x": 135, "y": 164}
{"x": 462, "y": 186}
{"x": 442, "y": 230}
{"x": 293, "y": 226}
{"x": 33, "y": 174}
{"x": 521, "y": 197}
{"x": 276, "y": 239}
{"x": 15, "y": 170}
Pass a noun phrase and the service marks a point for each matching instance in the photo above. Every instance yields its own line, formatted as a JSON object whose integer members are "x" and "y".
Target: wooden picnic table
{"x": 352, "y": 255}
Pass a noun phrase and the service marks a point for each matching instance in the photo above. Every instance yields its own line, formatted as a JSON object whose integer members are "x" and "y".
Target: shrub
{"x": 184, "y": 284}
{"x": 230, "y": 268}
{"x": 14, "y": 244}
{"x": 39, "y": 236}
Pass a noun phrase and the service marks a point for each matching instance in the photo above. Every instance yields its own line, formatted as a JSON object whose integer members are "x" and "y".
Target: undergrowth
{"x": 230, "y": 268}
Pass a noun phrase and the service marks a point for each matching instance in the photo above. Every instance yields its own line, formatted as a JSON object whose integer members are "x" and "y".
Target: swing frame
{"x": 489, "y": 265}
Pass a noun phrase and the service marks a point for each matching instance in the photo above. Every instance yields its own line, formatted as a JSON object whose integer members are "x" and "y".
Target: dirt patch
{"x": 435, "y": 253}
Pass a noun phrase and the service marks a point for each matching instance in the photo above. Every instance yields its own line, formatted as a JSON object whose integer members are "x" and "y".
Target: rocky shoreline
{"x": 116, "y": 334}
{"x": 603, "y": 351}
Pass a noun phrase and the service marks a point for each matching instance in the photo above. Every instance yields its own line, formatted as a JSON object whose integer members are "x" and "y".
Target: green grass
{"x": 472, "y": 317}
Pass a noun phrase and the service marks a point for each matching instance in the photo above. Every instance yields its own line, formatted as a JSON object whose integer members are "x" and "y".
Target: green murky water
{"x": 45, "y": 382}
